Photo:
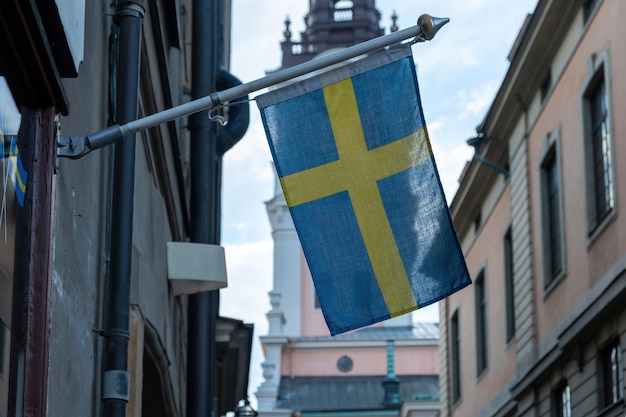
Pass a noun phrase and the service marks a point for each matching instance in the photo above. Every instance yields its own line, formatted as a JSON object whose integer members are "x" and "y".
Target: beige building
{"x": 542, "y": 331}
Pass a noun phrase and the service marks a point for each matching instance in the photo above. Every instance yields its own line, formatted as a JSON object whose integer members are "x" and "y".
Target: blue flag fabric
{"x": 352, "y": 153}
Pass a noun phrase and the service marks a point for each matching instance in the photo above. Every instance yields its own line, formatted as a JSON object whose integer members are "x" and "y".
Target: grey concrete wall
{"x": 79, "y": 261}
{"x": 78, "y": 258}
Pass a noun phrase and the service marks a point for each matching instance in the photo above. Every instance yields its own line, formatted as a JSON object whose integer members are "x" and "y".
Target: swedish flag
{"x": 15, "y": 169}
{"x": 352, "y": 153}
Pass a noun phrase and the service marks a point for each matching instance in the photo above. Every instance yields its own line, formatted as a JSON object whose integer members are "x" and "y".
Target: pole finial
{"x": 429, "y": 26}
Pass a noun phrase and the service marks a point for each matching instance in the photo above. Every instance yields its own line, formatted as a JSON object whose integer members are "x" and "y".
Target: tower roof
{"x": 331, "y": 24}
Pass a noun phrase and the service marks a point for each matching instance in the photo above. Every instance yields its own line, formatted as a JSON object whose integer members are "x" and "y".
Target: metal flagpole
{"x": 76, "y": 146}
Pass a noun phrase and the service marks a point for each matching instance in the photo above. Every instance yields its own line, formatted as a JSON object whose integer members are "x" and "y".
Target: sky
{"x": 459, "y": 72}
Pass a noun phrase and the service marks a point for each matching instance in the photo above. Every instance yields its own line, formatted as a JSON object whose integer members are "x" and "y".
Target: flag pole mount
{"x": 75, "y": 147}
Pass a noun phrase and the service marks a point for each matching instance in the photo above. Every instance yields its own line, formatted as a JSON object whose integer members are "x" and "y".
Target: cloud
{"x": 245, "y": 298}
{"x": 474, "y": 102}
{"x": 428, "y": 314}
{"x": 450, "y": 161}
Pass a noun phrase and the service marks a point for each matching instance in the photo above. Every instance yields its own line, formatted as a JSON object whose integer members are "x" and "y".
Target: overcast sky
{"x": 459, "y": 72}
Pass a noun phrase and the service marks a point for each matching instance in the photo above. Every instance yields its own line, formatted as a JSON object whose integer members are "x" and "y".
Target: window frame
{"x": 481, "y": 323}
{"x": 455, "y": 358}
{"x": 605, "y": 375}
{"x": 4, "y": 332}
{"x": 552, "y": 218}
{"x": 589, "y": 9}
{"x": 598, "y": 74}
{"x": 557, "y": 408}
{"x": 509, "y": 284}
{"x": 10, "y": 122}
{"x": 545, "y": 88}
{"x": 478, "y": 221}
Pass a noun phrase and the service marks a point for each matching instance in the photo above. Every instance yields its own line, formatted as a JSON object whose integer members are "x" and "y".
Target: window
{"x": 345, "y": 364}
{"x": 509, "y": 286}
{"x": 480, "y": 293}
{"x": 598, "y": 150}
{"x": 10, "y": 121}
{"x": 611, "y": 374}
{"x": 561, "y": 403}
{"x": 478, "y": 222}
{"x": 589, "y": 7}
{"x": 343, "y": 11}
{"x": 601, "y": 149}
{"x": 455, "y": 357}
{"x": 316, "y": 302}
{"x": 3, "y": 331}
{"x": 551, "y": 213}
{"x": 546, "y": 86}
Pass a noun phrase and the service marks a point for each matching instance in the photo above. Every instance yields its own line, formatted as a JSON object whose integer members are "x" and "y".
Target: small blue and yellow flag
{"x": 15, "y": 169}
{"x": 355, "y": 163}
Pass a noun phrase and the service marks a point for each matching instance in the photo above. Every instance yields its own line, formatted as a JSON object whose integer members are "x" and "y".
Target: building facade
{"x": 542, "y": 331}
{"x": 386, "y": 369}
{"x": 64, "y": 72}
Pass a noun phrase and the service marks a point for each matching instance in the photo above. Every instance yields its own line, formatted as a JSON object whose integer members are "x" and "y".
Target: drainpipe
{"x": 207, "y": 149}
{"x": 203, "y": 307}
{"x": 116, "y": 379}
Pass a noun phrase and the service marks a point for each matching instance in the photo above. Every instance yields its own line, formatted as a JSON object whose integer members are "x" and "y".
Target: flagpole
{"x": 76, "y": 146}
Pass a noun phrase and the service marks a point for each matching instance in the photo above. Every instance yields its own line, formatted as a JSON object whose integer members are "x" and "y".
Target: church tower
{"x": 331, "y": 24}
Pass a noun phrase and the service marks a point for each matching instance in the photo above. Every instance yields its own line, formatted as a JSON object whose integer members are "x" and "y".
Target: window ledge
{"x": 547, "y": 290}
{"x": 612, "y": 409}
{"x": 600, "y": 227}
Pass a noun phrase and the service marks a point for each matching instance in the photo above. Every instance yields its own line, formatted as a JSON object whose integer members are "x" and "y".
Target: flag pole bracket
{"x": 75, "y": 147}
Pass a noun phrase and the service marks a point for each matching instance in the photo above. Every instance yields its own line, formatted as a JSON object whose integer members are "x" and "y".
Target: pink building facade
{"x": 542, "y": 331}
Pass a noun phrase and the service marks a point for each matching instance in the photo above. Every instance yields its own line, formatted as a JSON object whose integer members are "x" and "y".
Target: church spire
{"x": 394, "y": 25}
{"x": 331, "y": 24}
{"x": 287, "y": 32}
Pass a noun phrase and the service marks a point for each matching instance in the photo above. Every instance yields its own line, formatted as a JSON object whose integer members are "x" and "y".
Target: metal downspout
{"x": 203, "y": 307}
{"x": 116, "y": 379}
{"x": 227, "y": 136}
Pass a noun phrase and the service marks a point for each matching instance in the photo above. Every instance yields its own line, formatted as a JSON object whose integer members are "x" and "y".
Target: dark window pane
{"x": 481, "y": 324}
{"x": 566, "y": 410}
{"x": 555, "y": 236}
{"x": 601, "y": 152}
{"x": 455, "y": 353}
{"x": 509, "y": 286}
{"x": 3, "y": 337}
{"x": 612, "y": 374}
{"x": 588, "y": 8}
